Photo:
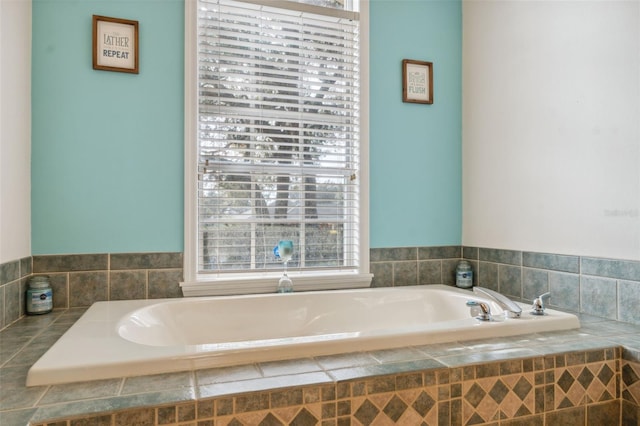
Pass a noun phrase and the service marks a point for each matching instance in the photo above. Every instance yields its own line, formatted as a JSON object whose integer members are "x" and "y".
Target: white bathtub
{"x": 132, "y": 338}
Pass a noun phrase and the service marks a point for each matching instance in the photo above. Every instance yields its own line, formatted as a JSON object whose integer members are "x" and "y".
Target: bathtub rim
{"x": 148, "y": 361}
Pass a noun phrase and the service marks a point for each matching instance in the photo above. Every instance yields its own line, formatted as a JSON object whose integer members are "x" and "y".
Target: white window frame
{"x": 263, "y": 282}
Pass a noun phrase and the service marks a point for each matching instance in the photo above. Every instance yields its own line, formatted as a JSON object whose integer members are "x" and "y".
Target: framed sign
{"x": 115, "y": 44}
{"x": 417, "y": 81}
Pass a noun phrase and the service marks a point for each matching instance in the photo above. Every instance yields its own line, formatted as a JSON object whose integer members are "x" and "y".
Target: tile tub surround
{"x": 79, "y": 280}
{"x": 589, "y": 376}
{"x": 13, "y": 284}
{"x": 581, "y": 281}
{"x": 606, "y": 287}
{"x": 609, "y": 288}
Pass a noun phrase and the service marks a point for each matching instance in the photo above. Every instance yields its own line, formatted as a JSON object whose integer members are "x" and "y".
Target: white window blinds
{"x": 278, "y": 136}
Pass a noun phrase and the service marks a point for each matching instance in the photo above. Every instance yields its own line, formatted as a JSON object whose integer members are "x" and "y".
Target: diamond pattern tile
{"x": 631, "y": 382}
{"x": 585, "y": 378}
{"x": 498, "y": 391}
{"x": 410, "y": 407}
{"x": 367, "y": 412}
{"x": 509, "y": 406}
{"x": 409, "y": 417}
{"x": 475, "y": 419}
{"x": 522, "y": 388}
{"x": 595, "y": 391}
{"x": 289, "y": 416}
{"x": 565, "y": 381}
{"x": 584, "y": 384}
{"x": 575, "y": 395}
{"x": 270, "y": 420}
{"x": 522, "y": 411}
{"x": 496, "y": 398}
{"x": 629, "y": 375}
{"x": 395, "y": 408}
{"x": 565, "y": 403}
{"x": 423, "y": 404}
{"x": 605, "y": 374}
{"x": 304, "y": 418}
{"x": 466, "y": 400}
{"x": 475, "y": 395}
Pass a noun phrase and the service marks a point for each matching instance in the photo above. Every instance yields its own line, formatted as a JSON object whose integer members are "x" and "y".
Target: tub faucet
{"x": 511, "y": 308}
{"x": 484, "y": 312}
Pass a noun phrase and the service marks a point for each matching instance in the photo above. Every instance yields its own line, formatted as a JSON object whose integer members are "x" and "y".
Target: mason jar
{"x": 464, "y": 275}
{"x": 39, "y": 297}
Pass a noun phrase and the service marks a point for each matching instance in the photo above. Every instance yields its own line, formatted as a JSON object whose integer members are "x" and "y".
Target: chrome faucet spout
{"x": 510, "y": 307}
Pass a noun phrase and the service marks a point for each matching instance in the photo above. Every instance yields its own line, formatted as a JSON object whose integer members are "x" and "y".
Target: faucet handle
{"x": 538, "y": 304}
{"x": 484, "y": 313}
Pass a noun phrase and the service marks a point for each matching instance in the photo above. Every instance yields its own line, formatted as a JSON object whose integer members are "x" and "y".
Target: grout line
{"x": 39, "y": 399}
{"x": 121, "y": 387}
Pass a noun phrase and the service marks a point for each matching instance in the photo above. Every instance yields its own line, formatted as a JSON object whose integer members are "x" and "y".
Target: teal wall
{"x": 107, "y": 154}
{"x": 416, "y": 152}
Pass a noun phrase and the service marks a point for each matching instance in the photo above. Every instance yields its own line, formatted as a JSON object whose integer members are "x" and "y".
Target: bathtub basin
{"x": 138, "y": 337}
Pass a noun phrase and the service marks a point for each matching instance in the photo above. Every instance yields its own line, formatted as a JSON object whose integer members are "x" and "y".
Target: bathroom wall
{"x": 551, "y": 141}
{"x": 107, "y": 147}
{"x": 15, "y": 129}
{"x": 550, "y": 158}
{"x": 416, "y": 186}
{"x": 107, "y": 164}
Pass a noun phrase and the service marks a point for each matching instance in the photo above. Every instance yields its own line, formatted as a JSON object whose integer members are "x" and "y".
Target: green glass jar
{"x": 39, "y": 297}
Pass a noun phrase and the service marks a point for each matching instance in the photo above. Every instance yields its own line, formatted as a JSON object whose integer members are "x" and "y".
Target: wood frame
{"x": 115, "y": 44}
{"x": 417, "y": 81}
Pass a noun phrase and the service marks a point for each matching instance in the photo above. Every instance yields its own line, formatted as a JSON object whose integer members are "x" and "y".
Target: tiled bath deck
{"x": 183, "y": 398}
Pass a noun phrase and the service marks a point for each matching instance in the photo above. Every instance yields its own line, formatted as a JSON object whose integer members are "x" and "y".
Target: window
{"x": 275, "y": 135}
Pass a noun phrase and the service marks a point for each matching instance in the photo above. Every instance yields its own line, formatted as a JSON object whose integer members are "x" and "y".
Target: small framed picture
{"x": 417, "y": 81}
{"x": 115, "y": 44}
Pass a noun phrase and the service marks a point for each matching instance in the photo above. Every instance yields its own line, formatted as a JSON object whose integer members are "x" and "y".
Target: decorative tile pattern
{"x": 631, "y": 382}
{"x": 583, "y": 384}
{"x": 507, "y": 392}
{"x": 494, "y": 398}
{"x": 310, "y": 414}
{"x": 410, "y": 407}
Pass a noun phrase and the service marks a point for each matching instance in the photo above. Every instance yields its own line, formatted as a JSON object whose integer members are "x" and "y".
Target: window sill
{"x": 267, "y": 283}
